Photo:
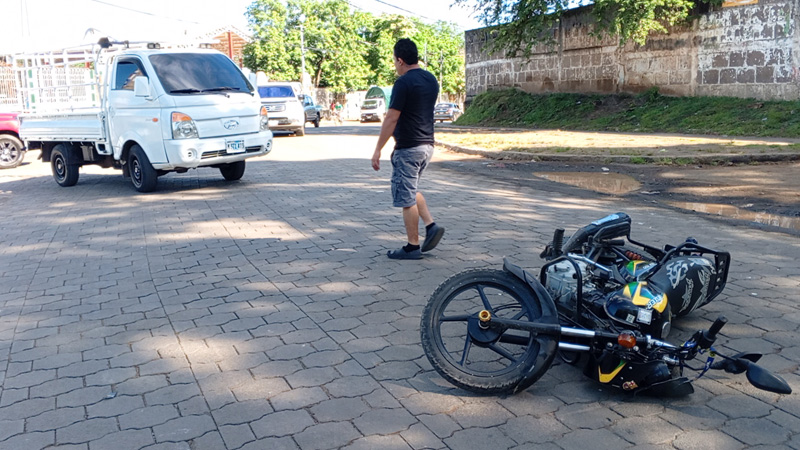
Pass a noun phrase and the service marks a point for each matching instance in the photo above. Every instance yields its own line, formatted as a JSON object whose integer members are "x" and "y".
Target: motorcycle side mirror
{"x": 736, "y": 364}
{"x": 766, "y": 380}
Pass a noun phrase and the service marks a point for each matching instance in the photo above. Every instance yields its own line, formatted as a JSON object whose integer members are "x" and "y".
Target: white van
{"x": 159, "y": 111}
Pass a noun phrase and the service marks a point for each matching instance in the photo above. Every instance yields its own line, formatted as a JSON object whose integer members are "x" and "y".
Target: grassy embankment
{"x": 649, "y": 112}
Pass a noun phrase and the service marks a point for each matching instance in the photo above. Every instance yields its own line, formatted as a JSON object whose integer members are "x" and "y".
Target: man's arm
{"x": 387, "y": 129}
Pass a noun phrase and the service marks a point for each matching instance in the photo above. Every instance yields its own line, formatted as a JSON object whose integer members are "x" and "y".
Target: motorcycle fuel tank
{"x": 686, "y": 281}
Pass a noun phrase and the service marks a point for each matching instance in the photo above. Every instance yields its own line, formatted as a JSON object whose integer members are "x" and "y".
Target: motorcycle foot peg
{"x": 558, "y": 241}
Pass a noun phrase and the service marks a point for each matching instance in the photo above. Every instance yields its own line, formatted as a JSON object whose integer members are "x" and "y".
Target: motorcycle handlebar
{"x": 705, "y": 339}
{"x": 716, "y": 326}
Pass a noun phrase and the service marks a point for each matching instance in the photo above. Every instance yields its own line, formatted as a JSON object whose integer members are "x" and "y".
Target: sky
{"x": 46, "y": 25}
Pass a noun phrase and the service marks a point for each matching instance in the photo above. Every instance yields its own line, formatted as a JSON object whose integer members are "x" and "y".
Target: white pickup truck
{"x": 160, "y": 111}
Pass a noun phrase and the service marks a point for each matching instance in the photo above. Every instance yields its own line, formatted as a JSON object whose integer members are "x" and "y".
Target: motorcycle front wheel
{"x": 485, "y": 361}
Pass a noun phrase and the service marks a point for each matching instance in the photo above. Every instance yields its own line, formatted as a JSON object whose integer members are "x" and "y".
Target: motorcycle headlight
{"x": 183, "y": 126}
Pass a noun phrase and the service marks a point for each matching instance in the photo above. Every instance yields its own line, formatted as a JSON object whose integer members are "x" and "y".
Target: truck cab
{"x": 376, "y": 104}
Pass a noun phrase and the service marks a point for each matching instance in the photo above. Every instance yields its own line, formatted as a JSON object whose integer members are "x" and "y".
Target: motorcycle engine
{"x": 636, "y": 306}
{"x": 562, "y": 283}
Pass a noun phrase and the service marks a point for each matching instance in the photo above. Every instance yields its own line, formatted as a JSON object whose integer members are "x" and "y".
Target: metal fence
{"x": 10, "y": 96}
{"x": 49, "y": 87}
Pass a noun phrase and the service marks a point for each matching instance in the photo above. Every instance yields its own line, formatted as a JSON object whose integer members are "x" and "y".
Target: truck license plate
{"x": 234, "y": 147}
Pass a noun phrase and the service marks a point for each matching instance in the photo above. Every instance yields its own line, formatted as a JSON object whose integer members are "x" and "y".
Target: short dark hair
{"x": 406, "y": 50}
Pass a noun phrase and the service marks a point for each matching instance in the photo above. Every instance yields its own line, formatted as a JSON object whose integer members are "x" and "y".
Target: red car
{"x": 12, "y": 150}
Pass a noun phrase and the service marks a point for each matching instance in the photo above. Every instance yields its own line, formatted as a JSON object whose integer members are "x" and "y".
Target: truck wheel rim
{"x": 60, "y": 167}
{"x": 136, "y": 172}
{"x": 8, "y": 153}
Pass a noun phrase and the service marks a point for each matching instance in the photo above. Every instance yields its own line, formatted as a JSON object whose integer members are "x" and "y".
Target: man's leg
{"x": 433, "y": 232}
{"x": 411, "y": 221}
{"x": 422, "y": 209}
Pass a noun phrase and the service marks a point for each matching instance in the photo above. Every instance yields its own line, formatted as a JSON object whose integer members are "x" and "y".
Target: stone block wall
{"x": 751, "y": 50}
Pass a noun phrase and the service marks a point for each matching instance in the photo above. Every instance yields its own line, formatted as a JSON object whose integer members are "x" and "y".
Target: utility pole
{"x": 303, "y": 81}
{"x": 441, "y": 71}
{"x": 302, "y": 53}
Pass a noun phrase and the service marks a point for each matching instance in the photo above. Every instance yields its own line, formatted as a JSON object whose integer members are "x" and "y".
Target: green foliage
{"x": 346, "y": 49}
{"x": 518, "y": 25}
{"x": 647, "y": 112}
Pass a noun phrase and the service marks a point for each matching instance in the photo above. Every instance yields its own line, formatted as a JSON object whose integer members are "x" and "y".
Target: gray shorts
{"x": 408, "y": 165}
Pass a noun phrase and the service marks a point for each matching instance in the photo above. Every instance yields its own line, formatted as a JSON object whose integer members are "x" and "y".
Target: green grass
{"x": 646, "y": 112}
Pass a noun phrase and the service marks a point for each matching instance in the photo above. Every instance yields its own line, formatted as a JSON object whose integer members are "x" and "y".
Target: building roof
{"x": 221, "y": 30}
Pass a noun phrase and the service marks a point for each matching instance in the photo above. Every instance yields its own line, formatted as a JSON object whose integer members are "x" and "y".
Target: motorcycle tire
{"x": 485, "y": 362}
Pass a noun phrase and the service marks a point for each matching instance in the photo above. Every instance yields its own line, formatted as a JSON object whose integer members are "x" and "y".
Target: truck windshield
{"x": 275, "y": 91}
{"x": 193, "y": 73}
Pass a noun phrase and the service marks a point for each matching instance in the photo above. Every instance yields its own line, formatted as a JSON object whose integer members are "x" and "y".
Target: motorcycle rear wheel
{"x": 486, "y": 362}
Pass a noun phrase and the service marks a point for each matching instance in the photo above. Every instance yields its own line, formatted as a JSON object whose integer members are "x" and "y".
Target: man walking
{"x": 410, "y": 121}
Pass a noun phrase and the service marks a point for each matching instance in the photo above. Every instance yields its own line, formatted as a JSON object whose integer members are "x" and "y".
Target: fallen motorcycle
{"x": 601, "y": 294}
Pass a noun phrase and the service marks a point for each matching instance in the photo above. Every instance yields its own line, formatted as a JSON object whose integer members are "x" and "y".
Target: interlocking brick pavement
{"x": 264, "y": 314}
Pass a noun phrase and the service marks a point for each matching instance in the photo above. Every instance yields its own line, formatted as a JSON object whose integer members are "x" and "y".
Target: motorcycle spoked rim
{"x": 532, "y": 347}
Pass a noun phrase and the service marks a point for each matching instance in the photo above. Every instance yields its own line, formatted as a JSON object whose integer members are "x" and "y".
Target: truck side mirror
{"x": 141, "y": 87}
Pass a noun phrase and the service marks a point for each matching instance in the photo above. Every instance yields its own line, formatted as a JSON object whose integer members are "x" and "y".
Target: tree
{"x": 269, "y": 51}
{"x": 334, "y": 50}
{"x": 345, "y": 49}
{"x": 384, "y": 32}
{"x": 440, "y": 49}
{"x": 518, "y": 25}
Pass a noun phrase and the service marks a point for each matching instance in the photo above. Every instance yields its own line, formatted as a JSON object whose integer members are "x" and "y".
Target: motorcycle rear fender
{"x": 549, "y": 310}
{"x": 549, "y": 315}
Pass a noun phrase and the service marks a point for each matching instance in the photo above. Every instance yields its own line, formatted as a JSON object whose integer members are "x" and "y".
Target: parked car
{"x": 313, "y": 111}
{"x": 284, "y": 106}
{"x": 12, "y": 150}
{"x": 446, "y": 111}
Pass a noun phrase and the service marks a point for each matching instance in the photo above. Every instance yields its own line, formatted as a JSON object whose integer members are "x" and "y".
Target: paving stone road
{"x": 264, "y": 314}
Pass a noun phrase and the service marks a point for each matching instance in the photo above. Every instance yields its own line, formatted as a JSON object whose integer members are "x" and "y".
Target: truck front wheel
{"x": 233, "y": 171}
{"x": 316, "y": 121}
{"x": 143, "y": 176}
{"x": 62, "y": 163}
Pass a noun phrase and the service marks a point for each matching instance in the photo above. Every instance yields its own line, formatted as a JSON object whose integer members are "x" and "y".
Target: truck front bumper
{"x": 192, "y": 153}
{"x": 368, "y": 117}
{"x": 286, "y": 123}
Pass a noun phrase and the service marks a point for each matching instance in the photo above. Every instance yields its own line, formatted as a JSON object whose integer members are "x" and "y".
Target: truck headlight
{"x": 183, "y": 126}
{"x": 264, "y": 123}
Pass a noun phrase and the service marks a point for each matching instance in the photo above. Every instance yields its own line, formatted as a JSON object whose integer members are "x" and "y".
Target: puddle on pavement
{"x": 741, "y": 214}
{"x": 606, "y": 182}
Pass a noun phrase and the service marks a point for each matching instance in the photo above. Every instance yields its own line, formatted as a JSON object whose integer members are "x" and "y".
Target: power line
{"x": 143, "y": 12}
{"x": 403, "y": 9}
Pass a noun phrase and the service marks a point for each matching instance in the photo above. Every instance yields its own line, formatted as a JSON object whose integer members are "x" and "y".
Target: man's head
{"x": 405, "y": 54}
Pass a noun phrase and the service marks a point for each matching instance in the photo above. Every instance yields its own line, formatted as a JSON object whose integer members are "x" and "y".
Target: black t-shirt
{"x": 414, "y": 95}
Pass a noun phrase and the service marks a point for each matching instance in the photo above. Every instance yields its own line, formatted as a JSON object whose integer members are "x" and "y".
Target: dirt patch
{"x": 737, "y": 187}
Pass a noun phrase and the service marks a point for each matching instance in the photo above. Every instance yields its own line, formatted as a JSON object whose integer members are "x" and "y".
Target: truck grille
{"x": 275, "y": 107}
{"x": 218, "y": 153}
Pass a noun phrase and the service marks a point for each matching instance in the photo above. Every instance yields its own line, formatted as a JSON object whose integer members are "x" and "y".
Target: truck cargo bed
{"x": 86, "y": 125}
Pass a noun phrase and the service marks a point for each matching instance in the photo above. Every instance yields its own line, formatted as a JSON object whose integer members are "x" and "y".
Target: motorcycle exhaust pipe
{"x": 573, "y": 347}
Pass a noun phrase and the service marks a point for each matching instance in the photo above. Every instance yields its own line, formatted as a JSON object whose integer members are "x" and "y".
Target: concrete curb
{"x": 624, "y": 159}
